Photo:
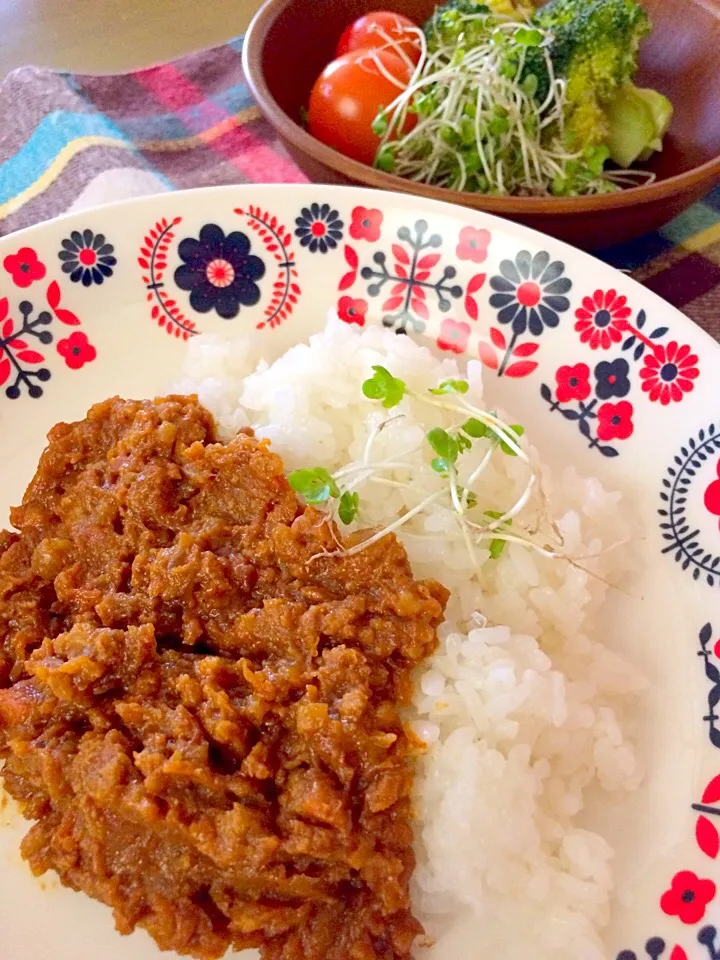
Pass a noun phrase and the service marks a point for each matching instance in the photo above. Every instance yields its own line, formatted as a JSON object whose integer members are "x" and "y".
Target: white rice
{"x": 523, "y": 707}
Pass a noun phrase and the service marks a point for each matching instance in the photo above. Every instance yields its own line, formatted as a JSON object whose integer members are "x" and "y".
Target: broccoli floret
{"x": 544, "y": 139}
{"x": 595, "y": 42}
{"x": 471, "y": 20}
{"x": 639, "y": 120}
{"x": 594, "y": 47}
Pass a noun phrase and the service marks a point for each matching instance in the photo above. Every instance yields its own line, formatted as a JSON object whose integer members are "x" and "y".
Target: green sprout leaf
{"x": 475, "y": 428}
{"x": 497, "y": 545}
{"x": 380, "y": 124}
{"x": 384, "y": 386}
{"x": 348, "y": 507}
{"x": 440, "y": 465}
{"x": 316, "y": 486}
{"x": 496, "y": 548}
{"x": 385, "y": 159}
{"x": 519, "y": 431}
{"x": 394, "y": 394}
{"x": 530, "y": 85}
{"x": 471, "y": 497}
{"x": 498, "y": 126}
{"x": 451, "y": 386}
{"x": 463, "y": 442}
{"x": 424, "y": 104}
{"x": 467, "y": 136}
{"x": 373, "y": 389}
{"x": 443, "y": 444}
{"x": 508, "y": 68}
{"x": 527, "y": 37}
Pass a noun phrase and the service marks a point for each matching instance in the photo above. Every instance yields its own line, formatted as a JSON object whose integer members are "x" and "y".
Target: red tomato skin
{"x": 347, "y": 97}
{"x": 363, "y": 34}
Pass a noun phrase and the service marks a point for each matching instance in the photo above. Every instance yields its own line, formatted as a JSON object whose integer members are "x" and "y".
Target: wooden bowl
{"x": 290, "y": 41}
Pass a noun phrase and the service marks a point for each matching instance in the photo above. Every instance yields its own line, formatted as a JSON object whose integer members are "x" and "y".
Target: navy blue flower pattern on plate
{"x": 612, "y": 378}
{"x": 87, "y": 257}
{"x": 530, "y": 293}
{"x": 219, "y": 271}
{"x": 319, "y": 228}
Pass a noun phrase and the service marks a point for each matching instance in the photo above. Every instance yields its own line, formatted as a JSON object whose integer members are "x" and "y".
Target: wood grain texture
{"x": 292, "y": 40}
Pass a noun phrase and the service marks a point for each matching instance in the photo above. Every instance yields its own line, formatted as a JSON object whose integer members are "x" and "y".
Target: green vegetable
{"x": 595, "y": 48}
{"x": 595, "y": 158}
{"x": 517, "y": 429}
{"x": 380, "y": 124}
{"x": 348, "y": 506}
{"x": 443, "y": 444}
{"x": 496, "y": 548}
{"x": 662, "y": 111}
{"x": 384, "y": 386}
{"x": 385, "y": 159}
{"x": 475, "y": 428}
{"x": 451, "y": 386}
{"x": 529, "y": 85}
{"x": 498, "y": 125}
{"x": 471, "y": 497}
{"x": 449, "y": 21}
{"x": 316, "y": 485}
{"x": 638, "y": 120}
{"x": 498, "y": 544}
{"x": 528, "y": 37}
{"x": 558, "y": 137}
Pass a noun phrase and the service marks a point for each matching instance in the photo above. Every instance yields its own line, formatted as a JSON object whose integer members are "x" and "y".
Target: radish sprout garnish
{"x": 482, "y": 126}
{"x": 476, "y": 429}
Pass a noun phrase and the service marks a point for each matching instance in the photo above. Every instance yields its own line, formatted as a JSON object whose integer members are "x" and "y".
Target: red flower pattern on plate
{"x": 712, "y": 494}
{"x": 76, "y": 350}
{"x": 668, "y": 372}
{"x": 573, "y": 383}
{"x": 366, "y": 223}
{"x": 706, "y": 833}
{"x": 473, "y": 244}
{"x": 24, "y": 267}
{"x": 453, "y": 335}
{"x": 615, "y": 421}
{"x": 602, "y": 318}
{"x": 688, "y": 897}
{"x": 352, "y": 311}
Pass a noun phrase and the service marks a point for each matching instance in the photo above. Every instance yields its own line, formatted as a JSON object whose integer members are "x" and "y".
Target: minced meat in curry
{"x": 199, "y": 693}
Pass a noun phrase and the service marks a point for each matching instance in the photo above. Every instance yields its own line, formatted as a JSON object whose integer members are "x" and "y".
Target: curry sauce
{"x": 200, "y": 692}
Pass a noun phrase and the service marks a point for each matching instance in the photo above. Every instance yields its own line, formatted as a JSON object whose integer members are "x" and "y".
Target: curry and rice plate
{"x": 310, "y": 666}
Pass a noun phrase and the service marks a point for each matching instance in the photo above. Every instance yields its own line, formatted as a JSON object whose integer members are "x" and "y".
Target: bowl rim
{"x": 289, "y": 129}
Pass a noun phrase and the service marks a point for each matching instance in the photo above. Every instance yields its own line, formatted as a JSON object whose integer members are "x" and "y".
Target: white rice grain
{"x": 523, "y": 708}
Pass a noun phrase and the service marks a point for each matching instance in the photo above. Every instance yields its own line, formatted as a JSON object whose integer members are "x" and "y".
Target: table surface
{"x": 106, "y": 36}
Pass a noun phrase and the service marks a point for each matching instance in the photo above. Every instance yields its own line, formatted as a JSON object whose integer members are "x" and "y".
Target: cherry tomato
{"x": 377, "y": 30}
{"x": 349, "y": 94}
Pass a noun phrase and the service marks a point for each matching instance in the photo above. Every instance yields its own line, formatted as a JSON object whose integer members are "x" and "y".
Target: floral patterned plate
{"x": 603, "y": 373}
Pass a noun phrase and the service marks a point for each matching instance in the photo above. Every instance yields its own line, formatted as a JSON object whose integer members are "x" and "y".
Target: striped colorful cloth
{"x": 69, "y": 142}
